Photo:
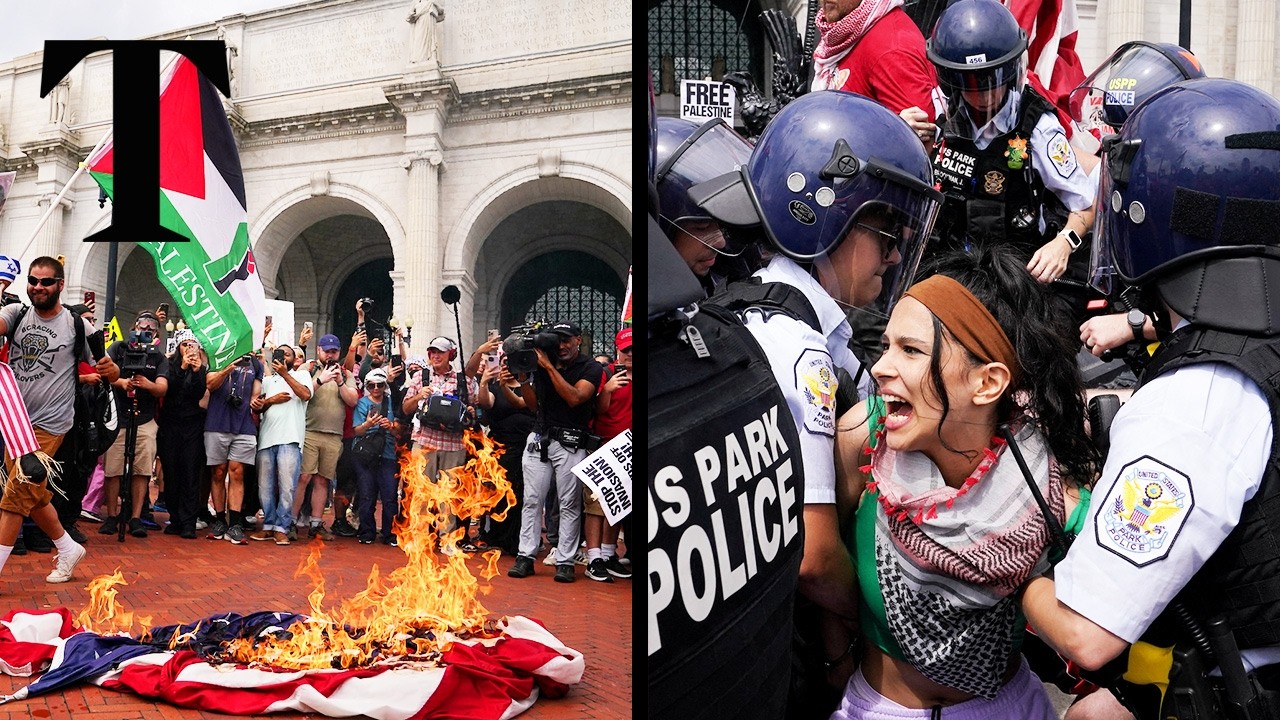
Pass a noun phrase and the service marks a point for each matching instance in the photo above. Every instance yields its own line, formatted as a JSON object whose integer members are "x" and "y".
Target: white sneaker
{"x": 550, "y": 559}
{"x": 201, "y": 525}
{"x": 64, "y": 564}
{"x": 581, "y": 557}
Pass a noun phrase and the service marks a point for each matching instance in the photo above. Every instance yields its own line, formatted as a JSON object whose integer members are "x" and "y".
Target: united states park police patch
{"x": 1061, "y": 155}
{"x": 1142, "y": 514}
{"x": 816, "y": 382}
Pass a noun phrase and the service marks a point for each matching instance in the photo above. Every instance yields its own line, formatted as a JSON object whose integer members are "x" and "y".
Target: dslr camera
{"x": 524, "y": 339}
{"x": 135, "y": 352}
{"x": 233, "y": 395}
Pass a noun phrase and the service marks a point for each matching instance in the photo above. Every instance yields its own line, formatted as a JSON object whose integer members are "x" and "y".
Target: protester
{"x": 509, "y": 421}
{"x": 976, "y": 369}
{"x": 45, "y": 373}
{"x": 77, "y": 468}
{"x": 374, "y": 458}
{"x": 144, "y": 379}
{"x": 283, "y": 406}
{"x": 613, "y": 417}
{"x": 180, "y": 440}
{"x": 231, "y": 442}
{"x": 334, "y": 391}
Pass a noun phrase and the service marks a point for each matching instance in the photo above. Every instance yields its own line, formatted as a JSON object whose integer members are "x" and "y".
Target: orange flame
{"x": 104, "y": 614}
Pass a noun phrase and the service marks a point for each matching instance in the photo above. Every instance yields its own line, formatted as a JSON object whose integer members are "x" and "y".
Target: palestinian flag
{"x": 213, "y": 278}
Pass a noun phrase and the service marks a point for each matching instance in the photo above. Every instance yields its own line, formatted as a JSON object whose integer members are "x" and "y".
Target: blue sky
{"x": 26, "y": 25}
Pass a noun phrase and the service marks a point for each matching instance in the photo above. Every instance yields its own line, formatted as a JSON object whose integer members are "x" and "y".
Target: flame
{"x": 414, "y": 612}
{"x": 104, "y": 614}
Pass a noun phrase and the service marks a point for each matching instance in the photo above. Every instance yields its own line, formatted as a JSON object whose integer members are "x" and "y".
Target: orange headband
{"x": 967, "y": 318}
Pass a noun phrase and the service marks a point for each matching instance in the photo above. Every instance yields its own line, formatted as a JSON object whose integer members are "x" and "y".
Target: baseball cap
{"x": 566, "y": 329}
{"x": 623, "y": 340}
{"x": 329, "y": 342}
{"x": 376, "y": 375}
{"x": 442, "y": 343}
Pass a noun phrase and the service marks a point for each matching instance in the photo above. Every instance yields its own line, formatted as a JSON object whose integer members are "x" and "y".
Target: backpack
{"x": 97, "y": 418}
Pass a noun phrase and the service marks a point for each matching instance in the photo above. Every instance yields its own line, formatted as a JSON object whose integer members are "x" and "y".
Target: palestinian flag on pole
{"x": 213, "y": 278}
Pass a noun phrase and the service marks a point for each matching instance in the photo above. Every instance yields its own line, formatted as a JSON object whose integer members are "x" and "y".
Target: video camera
{"x": 524, "y": 339}
{"x": 135, "y": 352}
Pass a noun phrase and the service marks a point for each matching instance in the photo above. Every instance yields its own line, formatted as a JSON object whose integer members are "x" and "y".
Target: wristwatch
{"x": 1137, "y": 321}
{"x": 1073, "y": 239}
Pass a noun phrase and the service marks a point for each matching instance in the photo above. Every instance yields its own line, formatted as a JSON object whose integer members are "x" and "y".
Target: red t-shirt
{"x": 618, "y": 417}
{"x": 889, "y": 66}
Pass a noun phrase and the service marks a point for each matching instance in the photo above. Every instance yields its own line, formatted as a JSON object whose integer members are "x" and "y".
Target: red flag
{"x": 1053, "y": 27}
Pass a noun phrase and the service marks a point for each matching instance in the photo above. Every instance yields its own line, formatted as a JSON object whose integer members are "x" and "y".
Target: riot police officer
{"x": 1005, "y": 161}
{"x": 1179, "y": 558}
{"x": 844, "y": 192}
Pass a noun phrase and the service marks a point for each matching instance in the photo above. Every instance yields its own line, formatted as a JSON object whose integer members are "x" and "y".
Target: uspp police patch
{"x": 816, "y": 382}
{"x": 1141, "y": 516}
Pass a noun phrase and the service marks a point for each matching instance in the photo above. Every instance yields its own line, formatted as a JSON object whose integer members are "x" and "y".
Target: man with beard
{"x": 44, "y": 363}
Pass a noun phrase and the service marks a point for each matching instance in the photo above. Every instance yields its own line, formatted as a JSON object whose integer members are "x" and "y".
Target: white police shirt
{"x": 802, "y": 365}
{"x": 1052, "y": 155}
{"x": 834, "y": 322}
{"x": 1187, "y": 451}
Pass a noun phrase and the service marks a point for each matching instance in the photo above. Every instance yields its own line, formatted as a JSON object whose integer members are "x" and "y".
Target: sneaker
{"x": 201, "y": 524}
{"x": 293, "y": 532}
{"x": 581, "y": 557}
{"x": 91, "y": 516}
{"x": 235, "y": 535}
{"x": 187, "y": 534}
{"x": 76, "y": 534}
{"x": 393, "y": 541}
{"x": 37, "y": 541}
{"x": 19, "y": 547}
{"x": 218, "y": 530}
{"x": 343, "y": 528}
{"x": 596, "y": 570}
{"x": 616, "y": 568}
{"x": 623, "y": 560}
{"x": 137, "y": 528}
{"x": 171, "y": 529}
{"x": 564, "y": 573}
{"x": 366, "y": 541}
{"x": 523, "y": 567}
{"x": 261, "y": 535}
{"x": 550, "y": 559}
{"x": 110, "y": 526}
{"x": 322, "y": 532}
{"x": 64, "y": 564}
{"x": 280, "y": 538}
{"x": 148, "y": 524}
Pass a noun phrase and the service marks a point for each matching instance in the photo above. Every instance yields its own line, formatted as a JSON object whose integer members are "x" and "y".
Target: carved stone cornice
{"x": 63, "y": 148}
{"x": 319, "y": 126}
{"x": 557, "y": 96}
{"x": 411, "y": 97}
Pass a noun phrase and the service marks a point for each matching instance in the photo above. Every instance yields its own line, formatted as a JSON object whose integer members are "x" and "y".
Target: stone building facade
{"x": 484, "y": 144}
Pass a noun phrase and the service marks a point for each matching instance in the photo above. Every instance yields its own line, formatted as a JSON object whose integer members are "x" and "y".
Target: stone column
{"x": 1255, "y": 43}
{"x": 424, "y": 254}
{"x": 49, "y": 240}
{"x": 1124, "y": 22}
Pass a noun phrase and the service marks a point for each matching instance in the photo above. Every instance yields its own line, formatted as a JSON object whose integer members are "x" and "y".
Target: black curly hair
{"x": 1042, "y": 337}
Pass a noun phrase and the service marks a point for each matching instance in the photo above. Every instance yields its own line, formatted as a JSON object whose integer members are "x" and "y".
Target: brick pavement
{"x": 183, "y": 580}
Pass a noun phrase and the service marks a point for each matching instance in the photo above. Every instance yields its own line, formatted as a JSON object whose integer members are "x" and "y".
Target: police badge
{"x": 993, "y": 183}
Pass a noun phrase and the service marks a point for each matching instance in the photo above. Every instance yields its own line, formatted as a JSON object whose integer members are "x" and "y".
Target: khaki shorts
{"x": 144, "y": 453}
{"x": 24, "y": 497}
{"x": 320, "y": 453}
{"x": 590, "y": 506}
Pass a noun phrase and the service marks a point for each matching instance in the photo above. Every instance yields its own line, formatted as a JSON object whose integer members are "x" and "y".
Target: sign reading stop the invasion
{"x": 702, "y": 100}
{"x": 607, "y": 472}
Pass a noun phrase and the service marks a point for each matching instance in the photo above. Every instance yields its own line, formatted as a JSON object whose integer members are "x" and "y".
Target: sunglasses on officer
{"x": 889, "y": 240}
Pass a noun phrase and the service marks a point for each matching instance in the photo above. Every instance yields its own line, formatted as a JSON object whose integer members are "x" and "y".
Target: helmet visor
{"x": 712, "y": 150}
{"x": 884, "y": 237}
{"x": 1102, "y": 266}
{"x": 1133, "y": 73}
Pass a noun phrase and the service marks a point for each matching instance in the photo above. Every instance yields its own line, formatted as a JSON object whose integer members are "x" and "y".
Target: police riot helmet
{"x": 1134, "y": 72}
{"x": 978, "y": 46}
{"x": 1189, "y": 203}
{"x": 824, "y": 163}
{"x": 687, "y": 154}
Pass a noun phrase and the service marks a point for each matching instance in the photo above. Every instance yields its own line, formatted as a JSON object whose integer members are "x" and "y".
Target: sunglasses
{"x": 889, "y": 241}
{"x": 374, "y": 385}
{"x": 42, "y": 282}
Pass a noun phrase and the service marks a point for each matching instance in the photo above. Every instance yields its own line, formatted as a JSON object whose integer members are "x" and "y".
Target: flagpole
{"x": 63, "y": 193}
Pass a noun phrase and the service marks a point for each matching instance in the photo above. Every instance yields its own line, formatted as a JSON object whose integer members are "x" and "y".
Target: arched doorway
{"x": 367, "y": 281}
{"x": 567, "y": 285}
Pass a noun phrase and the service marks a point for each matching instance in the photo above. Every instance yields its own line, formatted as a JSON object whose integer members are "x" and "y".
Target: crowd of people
{"x": 269, "y": 445}
{"x": 910, "y": 245}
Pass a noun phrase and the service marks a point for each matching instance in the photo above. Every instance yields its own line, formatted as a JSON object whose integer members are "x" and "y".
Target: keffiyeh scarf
{"x": 948, "y": 558}
{"x": 839, "y": 37}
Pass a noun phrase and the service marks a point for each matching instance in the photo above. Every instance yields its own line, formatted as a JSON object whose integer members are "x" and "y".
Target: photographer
{"x": 438, "y": 425}
{"x": 231, "y": 442}
{"x": 181, "y": 436}
{"x": 333, "y": 393}
{"x": 283, "y": 406}
{"x": 560, "y": 393}
{"x": 144, "y": 378}
{"x": 613, "y": 417}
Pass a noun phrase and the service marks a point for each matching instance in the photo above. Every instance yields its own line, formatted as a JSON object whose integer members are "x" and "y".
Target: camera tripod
{"x": 125, "y": 492}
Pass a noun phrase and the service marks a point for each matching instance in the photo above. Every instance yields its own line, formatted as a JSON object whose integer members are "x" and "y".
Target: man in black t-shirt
{"x": 143, "y": 370}
{"x": 562, "y": 394}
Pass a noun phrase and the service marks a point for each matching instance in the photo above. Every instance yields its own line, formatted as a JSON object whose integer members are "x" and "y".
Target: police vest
{"x": 725, "y": 524}
{"x": 995, "y": 195}
{"x": 1242, "y": 579}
